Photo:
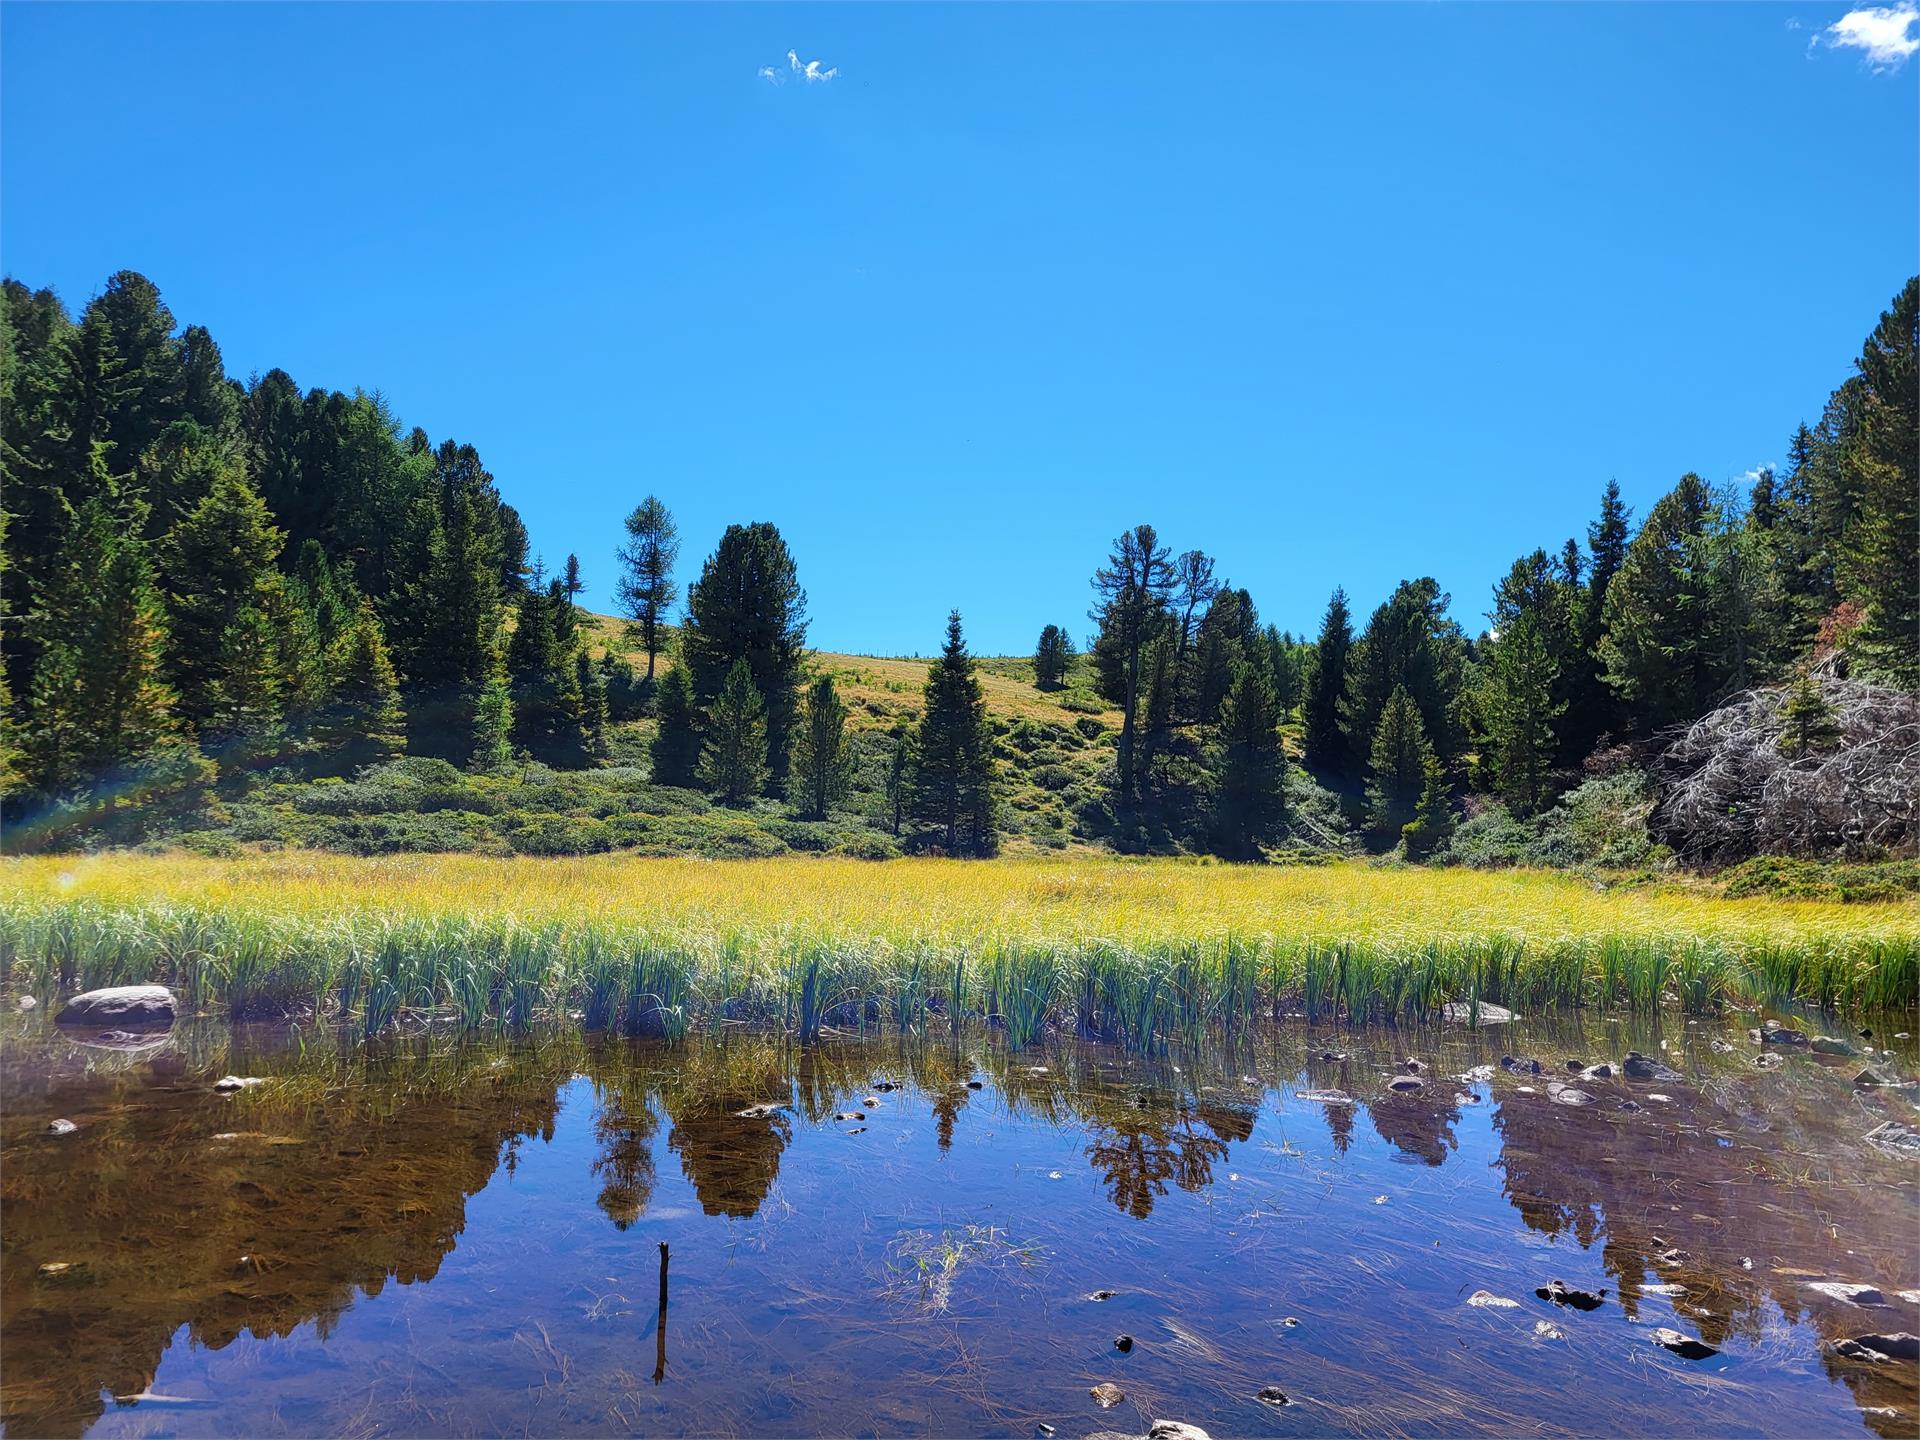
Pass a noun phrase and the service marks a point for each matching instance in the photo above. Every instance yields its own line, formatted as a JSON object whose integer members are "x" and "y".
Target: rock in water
{"x": 1123, "y": 1343}
{"x": 1490, "y": 1300}
{"x": 60, "y": 1127}
{"x": 1406, "y": 1084}
{"x": 1324, "y": 1097}
{"x": 1273, "y": 1395}
{"x": 1176, "y": 1430}
{"x": 1851, "y": 1294}
{"x": 1892, "y": 1135}
{"x": 1830, "y": 1045}
{"x": 1560, "y": 1294}
{"x": 126, "y": 1007}
{"x": 227, "y": 1084}
{"x": 1687, "y": 1347}
{"x": 1879, "y": 1349}
{"x": 1106, "y": 1395}
{"x": 1567, "y": 1095}
{"x": 26, "y": 1002}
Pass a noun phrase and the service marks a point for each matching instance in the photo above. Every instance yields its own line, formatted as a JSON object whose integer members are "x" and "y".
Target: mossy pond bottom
{"x": 431, "y": 1235}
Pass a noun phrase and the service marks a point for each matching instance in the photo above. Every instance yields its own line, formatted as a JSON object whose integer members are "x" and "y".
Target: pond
{"x": 890, "y": 1235}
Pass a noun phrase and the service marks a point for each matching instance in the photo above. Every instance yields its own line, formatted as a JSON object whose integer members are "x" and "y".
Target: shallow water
{"x": 430, "y": 1235}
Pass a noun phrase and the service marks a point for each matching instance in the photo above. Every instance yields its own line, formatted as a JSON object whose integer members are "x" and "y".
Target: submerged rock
{"x": 1879, "y": 1349}
{"x": 1406, "y": 1084}
{"x": 1851, "y": 1294}
{"x": 1831, "y": 1045}
{"x": 1103, "y": 1294}
{"x": 1324, "y": 1097}
{"x": 1273, "y": 1395}
{"x": 1774, "y": 1033}
{"x": 227, "y": 1084}
{"x": 60, "y": 1127}
{"x": 1687, "y": 1347}
{"x": 850, "y": 1115}
{"x": 1461, "y": 1012}
{"x": 1561, "y": 1294}
{"x": 1488, "y": 1300}
{"x": 1547, "y": 1330}
{"x": 976, "y": 1085}
{"x": 1412, "y": 1067}
{"x": 26, "y": 1002}
{"x": 1106, "y": 1395}
{"x": 1123, "y": 1343}
{"x": 135, "y": 1007}
{"x": 1567, "y": 1095}
{"x": 1334, "y": 1057}
{"x": 1891, "y": 1135}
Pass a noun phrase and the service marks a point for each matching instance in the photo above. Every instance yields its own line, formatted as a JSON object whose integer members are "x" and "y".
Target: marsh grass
{"x": 1142, "y": 954}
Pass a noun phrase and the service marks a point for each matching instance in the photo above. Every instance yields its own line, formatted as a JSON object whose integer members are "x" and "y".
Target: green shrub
{"x": 558, "y": 835}
{"x": 1783, "y": 877}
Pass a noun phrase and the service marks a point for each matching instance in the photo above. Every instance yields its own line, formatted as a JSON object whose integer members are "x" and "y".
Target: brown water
{"x": 431, "y": 1236}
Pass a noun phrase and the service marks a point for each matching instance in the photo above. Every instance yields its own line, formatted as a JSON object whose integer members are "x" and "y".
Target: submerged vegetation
{"x": 1139, "y": 952}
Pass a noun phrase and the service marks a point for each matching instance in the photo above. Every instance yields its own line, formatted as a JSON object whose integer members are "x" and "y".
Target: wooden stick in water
{"x": 660, "y": 1330}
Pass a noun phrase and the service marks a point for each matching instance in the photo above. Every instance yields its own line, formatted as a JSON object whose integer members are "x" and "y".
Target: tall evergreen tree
{"x": 646, "y": 589}
{"x": 1880, "y": 563}
{"x": 98, "y": 699}
{"x": 593, "y": 704}
{"x": 571, "y": 582}
{"x": 954, "y": 772}
{"x": 222, "y": 586}
{"x": 1133, "y": 588}
{"x": 1228, "y": 636}
{"x": 1399, "y": 762}
{"x": 676, "y": 744}
{"x": 1051, "y": 658}
{"x": 820, "y": 749}
{"x": 1657, "y": 614}
{"x": 362, "y": 723}
{"x": 445, "y": 622}
{"x": 145, "y": 384}
{"x": 1249, "y": 765}
{"x": 748, "y": 605}
{"x": 735, "y": 763}
{"x": 1409, "y": 643}
{"x": 1518, "y": 706}
{"x": 489, "y": 709}
{"x": 1326, "y": 747}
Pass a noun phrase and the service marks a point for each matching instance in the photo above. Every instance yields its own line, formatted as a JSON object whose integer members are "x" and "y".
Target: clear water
{"x": 436, "y": 1236}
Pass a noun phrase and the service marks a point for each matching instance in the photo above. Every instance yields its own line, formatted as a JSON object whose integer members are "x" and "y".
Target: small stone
{"x": 1667, "y": 1289}
{"x": 1273, "y": 1395}
{"x": 1488, "y": 1300}
{"x": 1831, "y": 1045}
{"x": 1123, "y": 1343}
{"x": 1406, "y": 1084}
{"x": 1660, "y": 1099}
{"x": 1687, "y": 1347}
{"x": 1547, "y": 1330}
{"x": 26, "y": 1002}
{"x": 227, "y": 1084}
{"x": 54, "y": 1269}
{"x": 1576, "y": 1065}
{"x": 1602, "y": 1071}
{"x": 1043, "y": 1430}
{"x": 1291, "y": 1321}
{"x": 60, "y": 1127}
{"x": 1720, "y": 1047}
{"x": 1334, "y": 1057}
{"x": 872, "y": 1102}
{"x": 851, "y": 1115}
{"x": 1569, "y": 1096}
{"x": 1103, "y": 1294}
{"x": 1673, "y": 1256}
{"x": 1106, "y": 1395}
{"x": 1175, "y": 1430}
{"x": 976, "y": 1085}
{"x": 1412, "y": 1067}
{"x": 1767, "y": 1062}
{"x": 1628, "y": 1105}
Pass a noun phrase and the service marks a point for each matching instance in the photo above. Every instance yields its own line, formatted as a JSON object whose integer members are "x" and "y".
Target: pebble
{"x": 1106, "y": 1395}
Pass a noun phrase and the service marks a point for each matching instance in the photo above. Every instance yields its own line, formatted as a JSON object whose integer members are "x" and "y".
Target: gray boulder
{"x": 121, "y": 1007}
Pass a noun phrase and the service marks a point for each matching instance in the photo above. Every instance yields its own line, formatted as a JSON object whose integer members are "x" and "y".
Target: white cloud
{"x": 766, "y": 72}
{"x": 1884, "y": 34}
{"x": 809, "y": 70}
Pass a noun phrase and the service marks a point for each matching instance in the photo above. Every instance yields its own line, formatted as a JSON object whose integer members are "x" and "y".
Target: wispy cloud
{"x": 1884, "y": 34}
{"x": 808, "y": 72}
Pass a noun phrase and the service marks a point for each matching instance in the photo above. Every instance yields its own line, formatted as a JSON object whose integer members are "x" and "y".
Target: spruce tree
{"x": 1810, "y": 725}
{"x": 900, "y": 780}
{"x": 1249, "y": 766}
{"x": 1432, "y": 823}
{"x": 1879, "y": 565}
{"x": 445, "y": 621}
{"x": 1657, "y": 615}
{"x": 1409, "y": 643}
{"x": 362, "y": 723}
{"x": 490, "y": 744}
{"x": 676, "y": 744}
{"x": 646, "y": 590}
{"x": 748, "y": 606}
{"x": 222, "y": 587}
{"x": 1399, "y": 761}
{"x": 953, "y": 751}
{"x": 1325, "y": 747}
{"x": 734, "y": 766}
{"x": 593, "y": 704}
{"x": 571, "y": 583}
{"x": 98, "y": 699}
{"x": 820, "y": 749}
{"x": 1518, "y": 708}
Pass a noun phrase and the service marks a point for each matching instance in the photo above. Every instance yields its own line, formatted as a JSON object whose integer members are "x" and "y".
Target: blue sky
{"x": 1338, "y": 294}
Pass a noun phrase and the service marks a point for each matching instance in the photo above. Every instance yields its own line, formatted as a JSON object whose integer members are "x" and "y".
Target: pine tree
{"x": 1051, "y": 657}
{"x": 734, "y": 766}
{"x": 953, "y": 750}
{"x": 1810, "y": 723}
{"x": 98, "y": 700}
{"x": 1399, "y": 760}
{"x": 820, "y": 749}
{"x": 571, "y": 583}
{"x": 748, "y": 605}
{"x": 1409, "y": 643}
{"x": 1134, "y": 587}
{"x": 362, "y": 723}
{"x": 445, "y": 621}
{"x": 676, "y": 744}
{"x": 646, "y": 590}
{"x": 1432, "y": 823}
{"x": 145, "y": 386}
{"x": 1518, "y": 707}
{"x": 1228, "y": 636}
{"x": 549, "y": 710}
{"x": 222, "y": 585}
{"x": 900, "y": 780}
{"x": 1326, "y": 747}
{"x": 1249, "y": 766}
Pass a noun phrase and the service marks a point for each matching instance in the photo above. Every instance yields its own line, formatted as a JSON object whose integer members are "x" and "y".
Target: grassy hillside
{"x": 1051, "y": 746}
